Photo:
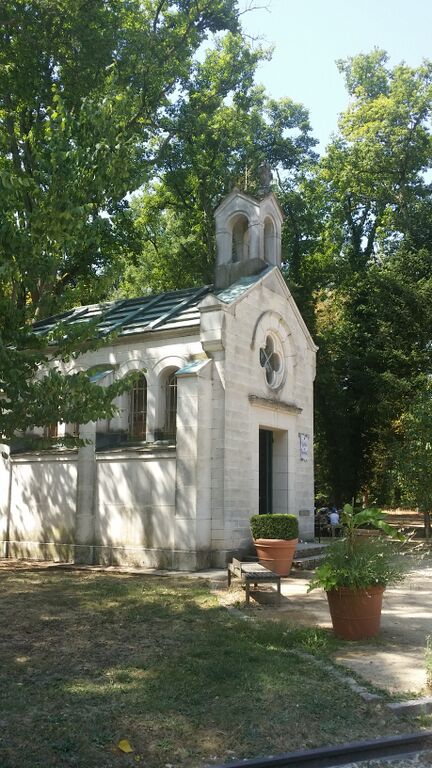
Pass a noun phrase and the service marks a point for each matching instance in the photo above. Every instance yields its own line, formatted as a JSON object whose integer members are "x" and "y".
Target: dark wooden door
{"x": 265, "y": 472}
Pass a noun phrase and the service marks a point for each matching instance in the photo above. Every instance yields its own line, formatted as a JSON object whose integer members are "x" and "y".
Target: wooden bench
{"x": 253, "y": 573}
{"x": 327, "y": 529}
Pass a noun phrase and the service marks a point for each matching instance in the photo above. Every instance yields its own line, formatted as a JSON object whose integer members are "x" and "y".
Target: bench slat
{"x": 252, "y": 573}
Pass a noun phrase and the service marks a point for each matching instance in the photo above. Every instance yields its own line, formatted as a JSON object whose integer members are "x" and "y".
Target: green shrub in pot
{"x": 275, "y": 538}
{"x": 274, "y": 527}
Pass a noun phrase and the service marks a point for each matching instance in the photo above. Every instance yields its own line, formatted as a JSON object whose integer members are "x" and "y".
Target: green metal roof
{"x": 169, "y": 310}
{"x": 227, "y": 295}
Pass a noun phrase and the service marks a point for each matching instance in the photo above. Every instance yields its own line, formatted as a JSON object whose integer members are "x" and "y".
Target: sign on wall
{"x": 304, "y": 446}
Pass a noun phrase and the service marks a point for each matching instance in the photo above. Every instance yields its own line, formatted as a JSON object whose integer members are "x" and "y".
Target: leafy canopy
{"x": 215, "y": 136}
{"x": 83, "y": 88}
{"x": 373, "y": 319}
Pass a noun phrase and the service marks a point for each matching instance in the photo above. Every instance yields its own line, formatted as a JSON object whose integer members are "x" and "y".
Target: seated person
{"x": 321, "y": 519}
{"x": 334, "y": 517}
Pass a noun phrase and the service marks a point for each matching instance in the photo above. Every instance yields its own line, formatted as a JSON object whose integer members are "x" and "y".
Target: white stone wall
{"x": 4, "y": 497}
{"x": 192, "y": 530}
{"x": 238, "y": 376}
{"x": 42, "y": 507}
{"x": 135, "y": 508}
{"x": 119, "y": 507}
{"x": 127, "y": 518}
{"x": 151, "y": 353}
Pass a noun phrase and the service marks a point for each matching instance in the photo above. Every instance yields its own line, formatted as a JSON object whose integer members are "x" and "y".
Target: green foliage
{"x": 215, "y": 137}
{"x": 83, "y": 90}
{"x": 36, "y": 391}
{"x": 83, "y": 87}
{"x": 359, "y": 563}
{"x": 414, "y": 453}
{"x": 369, "y": 562}
{"x": 311, "y": 639}
{"x": 371, "y": 518}
{"x": 373, "y": 307}
{"x": 274, "y": 527}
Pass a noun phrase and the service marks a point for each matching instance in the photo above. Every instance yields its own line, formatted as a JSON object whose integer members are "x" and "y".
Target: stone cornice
{"x": 274, "y": 404}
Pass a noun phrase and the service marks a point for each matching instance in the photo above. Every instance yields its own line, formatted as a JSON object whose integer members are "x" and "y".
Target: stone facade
{"x": 245, "y": 365}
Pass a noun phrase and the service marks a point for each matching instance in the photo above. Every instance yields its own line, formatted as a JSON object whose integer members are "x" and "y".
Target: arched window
{"x": 51, "y": 431}
{"x": 138, "y": 409}
{"x": 269, "y": 241}
{"x": 240, "y": 239}
{"x": 171, "y": 405}
{"x": 271, "y": 359}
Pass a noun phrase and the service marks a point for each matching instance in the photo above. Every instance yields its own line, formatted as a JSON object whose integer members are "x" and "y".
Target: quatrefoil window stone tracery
{"x": 271, "y": 361}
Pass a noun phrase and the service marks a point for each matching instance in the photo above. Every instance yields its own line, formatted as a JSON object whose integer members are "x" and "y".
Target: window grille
{"x": 171, "y": 405}
{"x": 50, "y": 431}
{"x": 138, "y": 409}
{"x": 272, "y": 362}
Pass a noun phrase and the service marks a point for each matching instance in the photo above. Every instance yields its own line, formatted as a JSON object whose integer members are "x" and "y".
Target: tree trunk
{"x": 427, "y": 523}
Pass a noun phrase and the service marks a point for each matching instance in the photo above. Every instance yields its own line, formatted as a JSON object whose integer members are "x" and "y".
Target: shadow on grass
{"x": 87, "y": 659}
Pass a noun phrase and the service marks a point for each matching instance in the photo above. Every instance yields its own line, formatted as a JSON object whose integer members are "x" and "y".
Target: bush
{"x": 358, "y": 565}
{"x": 274, "y": 527}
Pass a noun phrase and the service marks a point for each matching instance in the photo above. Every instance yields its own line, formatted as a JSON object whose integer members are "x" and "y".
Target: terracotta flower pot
{"x": 355, "y": 613}
{"x": 276, "y": 554}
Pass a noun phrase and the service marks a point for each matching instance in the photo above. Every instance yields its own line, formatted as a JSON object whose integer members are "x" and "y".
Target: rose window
{"x": 272, "y": 361}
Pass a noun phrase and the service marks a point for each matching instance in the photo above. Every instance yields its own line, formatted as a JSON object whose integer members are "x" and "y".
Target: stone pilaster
{"x": 86, "y": 487}
{"x": 5, "y": 500}
{"x": 192, "y": 534}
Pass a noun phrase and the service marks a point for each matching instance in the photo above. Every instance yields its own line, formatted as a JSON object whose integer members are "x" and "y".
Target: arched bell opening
{"x": 269, "y": 241}
{"x": 240, "y": 239}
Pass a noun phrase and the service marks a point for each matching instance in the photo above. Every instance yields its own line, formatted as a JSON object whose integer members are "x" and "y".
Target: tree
{"x": 36, "y": 392}
{"x": 414, "y": 455}
{"x": 214, "y": 137}
{"x": 373, "y": 317}
{"x": 83, "y": 87}
{"x": 374, "y": 347}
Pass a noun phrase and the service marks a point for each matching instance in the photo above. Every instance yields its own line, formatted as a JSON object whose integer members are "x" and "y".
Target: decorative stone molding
{"x": 274, "y": 404}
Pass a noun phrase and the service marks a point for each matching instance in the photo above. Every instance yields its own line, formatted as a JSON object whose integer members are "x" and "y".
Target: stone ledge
{"x": 274, "y": 404}
{"x": 421, "y": 706}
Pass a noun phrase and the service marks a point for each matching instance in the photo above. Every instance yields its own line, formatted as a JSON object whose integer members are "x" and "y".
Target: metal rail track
{"x": 408, "y": 745}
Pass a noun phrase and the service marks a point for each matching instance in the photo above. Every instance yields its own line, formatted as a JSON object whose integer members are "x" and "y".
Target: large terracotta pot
{"x": 355, "y": 613}
{"x": 276, "y": 554}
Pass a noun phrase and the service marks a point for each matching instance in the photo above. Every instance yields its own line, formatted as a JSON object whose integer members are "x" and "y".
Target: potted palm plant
{"x": 355, "y": 572}
{"x": 275, "y": 538}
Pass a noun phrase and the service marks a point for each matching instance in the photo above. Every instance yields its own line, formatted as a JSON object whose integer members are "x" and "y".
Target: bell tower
{"x": 248, "y": 236}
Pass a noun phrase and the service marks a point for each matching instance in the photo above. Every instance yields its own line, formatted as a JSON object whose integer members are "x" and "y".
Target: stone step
{"x": 305, "y": 548}
{"x": 308, "y": 562}
{"x": 309, "y": 554}
{"x": 404, "y": 517}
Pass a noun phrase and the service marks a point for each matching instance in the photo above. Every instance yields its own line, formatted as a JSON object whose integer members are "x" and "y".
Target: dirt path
{"x": 395, "y": 660}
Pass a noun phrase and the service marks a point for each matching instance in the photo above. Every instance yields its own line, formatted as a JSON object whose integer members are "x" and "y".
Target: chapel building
{"x": 218, "y": 425}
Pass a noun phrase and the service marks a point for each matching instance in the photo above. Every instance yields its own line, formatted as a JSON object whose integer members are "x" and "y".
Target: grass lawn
{"x": 88, "y": 659}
